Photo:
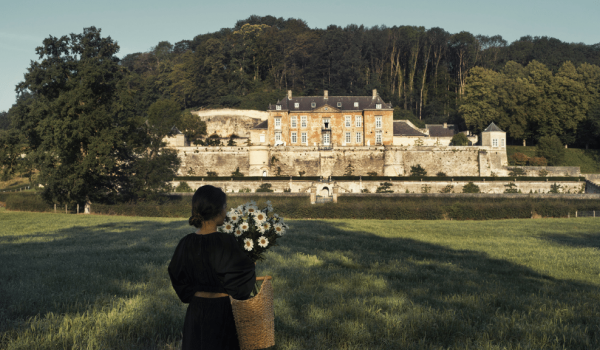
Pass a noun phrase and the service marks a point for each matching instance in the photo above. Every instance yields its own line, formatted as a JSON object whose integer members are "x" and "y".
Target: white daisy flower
{"x": 263, "y": 241}
{"x": 251, "y": 209}
{"x": 248, "y": 244}
{"x": 279, "y": 229}
{"x": 260, "y": 217}
{"x": 244, "y": 226}
{"x": 238, "y": 232}
{"x": 269, "y": 207}
{"x": 228, "y": 228}
{"x": 266, "y": 226}
{"x": 233, "y": 215}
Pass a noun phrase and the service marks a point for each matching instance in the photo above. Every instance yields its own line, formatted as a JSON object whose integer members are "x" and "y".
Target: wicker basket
{"x": 254, "y": 318}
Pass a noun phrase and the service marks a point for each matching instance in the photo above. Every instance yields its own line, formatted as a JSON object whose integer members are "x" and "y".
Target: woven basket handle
{"x": 264, "y": 278}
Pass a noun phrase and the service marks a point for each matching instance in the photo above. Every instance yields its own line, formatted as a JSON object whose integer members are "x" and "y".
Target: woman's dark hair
{"x": 207, "y": 204}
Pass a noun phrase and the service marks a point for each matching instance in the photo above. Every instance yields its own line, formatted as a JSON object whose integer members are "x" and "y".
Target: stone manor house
{"x": 325, "y": 135}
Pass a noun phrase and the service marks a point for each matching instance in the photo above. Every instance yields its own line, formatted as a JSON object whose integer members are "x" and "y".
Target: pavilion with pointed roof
{"x": 493, "y": 137}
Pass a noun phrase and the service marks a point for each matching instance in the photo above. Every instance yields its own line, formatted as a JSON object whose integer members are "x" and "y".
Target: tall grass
{"x": 99, "y": 282}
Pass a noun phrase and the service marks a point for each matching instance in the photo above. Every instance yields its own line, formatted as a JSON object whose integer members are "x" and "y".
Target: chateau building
{"x": 327, "y": 121}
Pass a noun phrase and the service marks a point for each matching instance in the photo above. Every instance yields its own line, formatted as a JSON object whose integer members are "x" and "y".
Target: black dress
{"x": 210, "y": 263}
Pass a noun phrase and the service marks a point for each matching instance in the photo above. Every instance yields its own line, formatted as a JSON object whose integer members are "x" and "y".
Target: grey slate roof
{"x": 364, "y": 102}
{"x": 403, "y": 129}
{"x": 492, "y": 127}
{"x": 262, "y": 125}
{"x": 438, "y": 130}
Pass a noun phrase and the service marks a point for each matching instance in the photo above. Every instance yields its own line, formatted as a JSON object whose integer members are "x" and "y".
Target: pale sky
{"x": 137, "y": 26}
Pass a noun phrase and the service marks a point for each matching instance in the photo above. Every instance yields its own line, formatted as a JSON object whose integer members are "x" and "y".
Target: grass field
{"x": 100, "y": 282}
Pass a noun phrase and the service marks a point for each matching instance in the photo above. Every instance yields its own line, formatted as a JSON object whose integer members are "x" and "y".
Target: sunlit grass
{"x": 99, "y": 282}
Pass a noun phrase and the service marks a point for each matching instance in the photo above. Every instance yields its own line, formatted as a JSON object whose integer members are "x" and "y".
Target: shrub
{"x": 511, "y": 188}
{"x": 459, "y": 139}
{"x": 211, "y": 173}
{"x": 551, "y": 148}
{"x": 266, "y": 187}
{"x": 518, "y": 159}
{"x": 417, "y": 170}
{"x": 364, "y": 190}
{"x": 349, "y": 170}
{"x": 244, "y": 190}
{"x": 384, "y": 187}
{"x": 555, "y": 188}
{"x": 516, "y": 172}
{"x": 372, "y": 173}
{"x": 425, "y": 189}
{"x": 471, "y": 188}
{"x": 543, "y": 173}
{"x": 447, "y": 189}
{"x": 237, "y": 173}
{"x": 183, "y": 187}
{"x": 537, "y": 161}
{"x": 287, "y": 190}
{"x": 441, "y": 174}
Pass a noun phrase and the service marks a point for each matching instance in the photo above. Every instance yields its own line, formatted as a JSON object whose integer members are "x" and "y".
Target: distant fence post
{"x": 77, "y": 208}
{"x": 54, "y": 207}
{"x": 66, "y": 209}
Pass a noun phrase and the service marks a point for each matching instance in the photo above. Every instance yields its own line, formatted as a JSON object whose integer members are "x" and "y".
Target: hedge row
{"x": 391, "y": 208}
{"x": 383, "y": 178}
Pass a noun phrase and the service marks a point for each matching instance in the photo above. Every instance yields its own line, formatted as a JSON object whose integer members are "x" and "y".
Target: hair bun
{"x": 196, "y": 221}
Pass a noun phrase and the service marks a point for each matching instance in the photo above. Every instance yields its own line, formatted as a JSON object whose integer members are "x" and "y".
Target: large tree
{"x": 79, "y": 122}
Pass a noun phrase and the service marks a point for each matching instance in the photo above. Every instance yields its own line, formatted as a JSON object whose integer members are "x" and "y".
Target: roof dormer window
{"x": 339, "y": 104}
{"x": 313, "y": 104}
{"x": 356, "y": 104}
{"x": 278, "y": 107}
{"x": 378, "y": 106}
{"x": 296, "y": 105}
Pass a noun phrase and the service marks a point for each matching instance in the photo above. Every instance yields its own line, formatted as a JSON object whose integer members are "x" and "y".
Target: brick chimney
{"x": 326, "y": 96}
{"x": 289, "y": 94}
{"x": 374, "y": 93}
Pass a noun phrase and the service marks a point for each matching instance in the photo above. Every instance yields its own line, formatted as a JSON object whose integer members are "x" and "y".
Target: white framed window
{"x": 277, "y": 123}
{"x": 494, "y": 142}
{"x": 348, "y": 137}
{"x": 356, "y": 104}
{"x": 303, "y": 138}
{"x": 278, "y": 107}
{"x": 294, "y": 121}
{"x": 502, "y": 144}
{"x": 313, "y": 104}
{"x": 339, "y": 104}
{"x": 378, "y": 122}
{"x": 358, "y": 137}
{"x": 303, "y": 121}
{"x": 378, "y": 137}
{"x": 277, "y": 136}
{"x": 358, "y": 120}
{"x": 326, "y": 123}
{"x": 294, "y": 137}
{"x": 296, "y": 105}
{"x": 262, "y": 138}
{"x": 326, "y": 139}
{"x": 348, "y": 121}
{"x": 378, "y": 105}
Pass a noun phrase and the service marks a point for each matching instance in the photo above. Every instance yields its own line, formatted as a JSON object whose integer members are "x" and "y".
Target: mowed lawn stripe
{"x": 100, "y": 282}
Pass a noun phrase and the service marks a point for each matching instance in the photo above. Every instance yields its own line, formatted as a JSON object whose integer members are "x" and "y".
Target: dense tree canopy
{"x": 77, "y": 118}
{"x": 425, "y": 72}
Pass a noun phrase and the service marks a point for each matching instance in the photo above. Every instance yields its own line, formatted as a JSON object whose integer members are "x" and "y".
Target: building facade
{"x": 327, "y": 121}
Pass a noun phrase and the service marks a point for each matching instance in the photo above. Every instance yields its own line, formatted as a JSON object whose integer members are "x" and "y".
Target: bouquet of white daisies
{"x": 256, "y": 230}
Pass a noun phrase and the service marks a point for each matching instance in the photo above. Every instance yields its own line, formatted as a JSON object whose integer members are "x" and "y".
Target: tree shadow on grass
{"x": 575, "y": 239}
{"x": 73, "y": 270}
{"x": 339, "y": 288}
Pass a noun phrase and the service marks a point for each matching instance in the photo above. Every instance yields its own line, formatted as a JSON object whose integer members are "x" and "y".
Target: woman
{"x": 207, "y": 267}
